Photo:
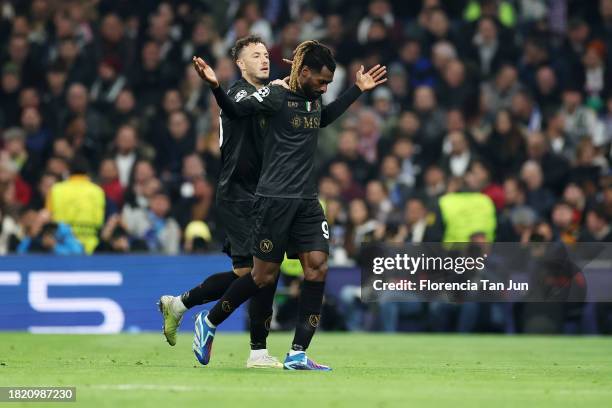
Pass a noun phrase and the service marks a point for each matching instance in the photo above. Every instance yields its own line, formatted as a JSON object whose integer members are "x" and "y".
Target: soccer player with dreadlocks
{"x": 287, "y": 213}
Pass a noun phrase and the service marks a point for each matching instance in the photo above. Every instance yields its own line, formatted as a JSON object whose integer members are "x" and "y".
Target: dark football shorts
{"x": 291, "y": 225}
{"x": 236, "y": 217}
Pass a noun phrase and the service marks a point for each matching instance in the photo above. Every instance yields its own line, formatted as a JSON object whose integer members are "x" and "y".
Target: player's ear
{"x": 240, "y": 64}
{"x": 305, "y": 72}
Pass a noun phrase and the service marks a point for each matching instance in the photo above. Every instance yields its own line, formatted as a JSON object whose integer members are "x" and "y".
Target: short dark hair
{"x": 79, "y": 165}
{"x": 243, "y": 42}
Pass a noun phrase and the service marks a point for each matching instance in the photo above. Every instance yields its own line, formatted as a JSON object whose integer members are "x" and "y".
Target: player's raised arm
{"x": 268, "y": 99}
{"x": 363, "y": 82}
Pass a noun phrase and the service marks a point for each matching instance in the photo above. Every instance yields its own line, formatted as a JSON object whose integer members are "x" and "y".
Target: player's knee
{"x": 264, "y": 279}
{"x": 316, "y": 271}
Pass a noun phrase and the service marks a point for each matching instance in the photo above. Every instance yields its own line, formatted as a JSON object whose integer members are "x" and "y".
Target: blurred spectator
{"x": 197, "y": 237}
{"x": 538, "y": 197}
{"x": 547, "y": 92}
{"x": 377, "y": 198}
{"x": 555, "y": 168}
{"x": 498, "y": 92}
{"x": 434, "y": 185}
{"x": 9, "y": 95}
{"x": 109, "y": 181}
{"x": 54, "y": 238}
{"x": 125, "y": 152}
{"x": 378, "y": 10}
{"x": 455, "y": 91}
{"x": 579, "y": 120}
{"x": 349, "y": 188}
{"x": 83, "y": 125}
{"x": 391, "y": 177}
{"x": 564, "y": 223}
{"x": 505, "y": 147}
{"x": 597, "y": 226}
{"x": 360, "y": 227}
{"x": 154, "y": 225}
{"x": 487, "y": 51}
{"x": 43, "y": 188}
{"x": 177, "y": 142}
{"x": 478, "y": 178}
{"x": 107, "y": 85}
{"x": 78, "y": 203}
{"x": 114, "y": 238}
{"x": 348, "y": 152}
{"x": 459, "y": 157}
{"x": 421, "y": 224}
{"x": 526, "y": 112}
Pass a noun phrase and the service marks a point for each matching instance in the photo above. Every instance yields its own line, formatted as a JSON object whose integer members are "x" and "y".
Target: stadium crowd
{"x": 496, "y": 121}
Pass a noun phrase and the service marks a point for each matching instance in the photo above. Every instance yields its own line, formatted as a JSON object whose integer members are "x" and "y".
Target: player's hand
{"x": 205, "y": 72}
{"x": 288, "y": 61}
{"x": 371, "y": 79}
{"x": 280, "y": 82}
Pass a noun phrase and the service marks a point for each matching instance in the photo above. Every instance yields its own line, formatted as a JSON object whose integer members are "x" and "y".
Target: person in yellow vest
{"x": 465, "y": 213}
{"x": 79, "y": 203}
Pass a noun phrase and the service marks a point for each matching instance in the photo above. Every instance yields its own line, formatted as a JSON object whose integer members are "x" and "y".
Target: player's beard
{"x": 310, "y": 94}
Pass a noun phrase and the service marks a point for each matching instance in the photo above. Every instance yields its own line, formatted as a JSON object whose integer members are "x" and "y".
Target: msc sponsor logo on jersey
{"x": 240, "y": 95}
{"x": 266, "y": 246}
{"x": 307, "y": 122}
{"x": 261, "y": 93}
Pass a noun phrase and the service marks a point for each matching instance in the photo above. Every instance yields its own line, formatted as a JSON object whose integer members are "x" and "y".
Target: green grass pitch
{"x": 141, "y": 370}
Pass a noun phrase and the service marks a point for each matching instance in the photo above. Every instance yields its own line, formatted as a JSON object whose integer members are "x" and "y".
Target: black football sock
{"x": 238, "y": 293}
{"x": 309, "y": 314}
{"x": 211, "y": 289}
{"x": 260, "y": 315}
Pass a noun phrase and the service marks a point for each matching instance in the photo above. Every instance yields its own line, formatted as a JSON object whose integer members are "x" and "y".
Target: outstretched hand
{"x": 205, "y": 71}
{"x": 371, "y": 79}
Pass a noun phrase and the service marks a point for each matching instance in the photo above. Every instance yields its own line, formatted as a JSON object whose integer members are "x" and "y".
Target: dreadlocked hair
{"x": 312, "y": 54}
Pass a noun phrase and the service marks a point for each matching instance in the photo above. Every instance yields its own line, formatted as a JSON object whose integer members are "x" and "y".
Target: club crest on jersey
{"x": 266, "y": 246}
{"x": 240, "y": 95}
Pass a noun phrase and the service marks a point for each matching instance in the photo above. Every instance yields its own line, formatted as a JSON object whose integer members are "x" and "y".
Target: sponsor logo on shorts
{"x": 314, "y": 320}
{"x": 266, "y": 246}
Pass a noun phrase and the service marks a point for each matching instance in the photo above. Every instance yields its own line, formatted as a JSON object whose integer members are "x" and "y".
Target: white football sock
{"x": 294, "y": 352}
{"x": 255, "y": 354}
